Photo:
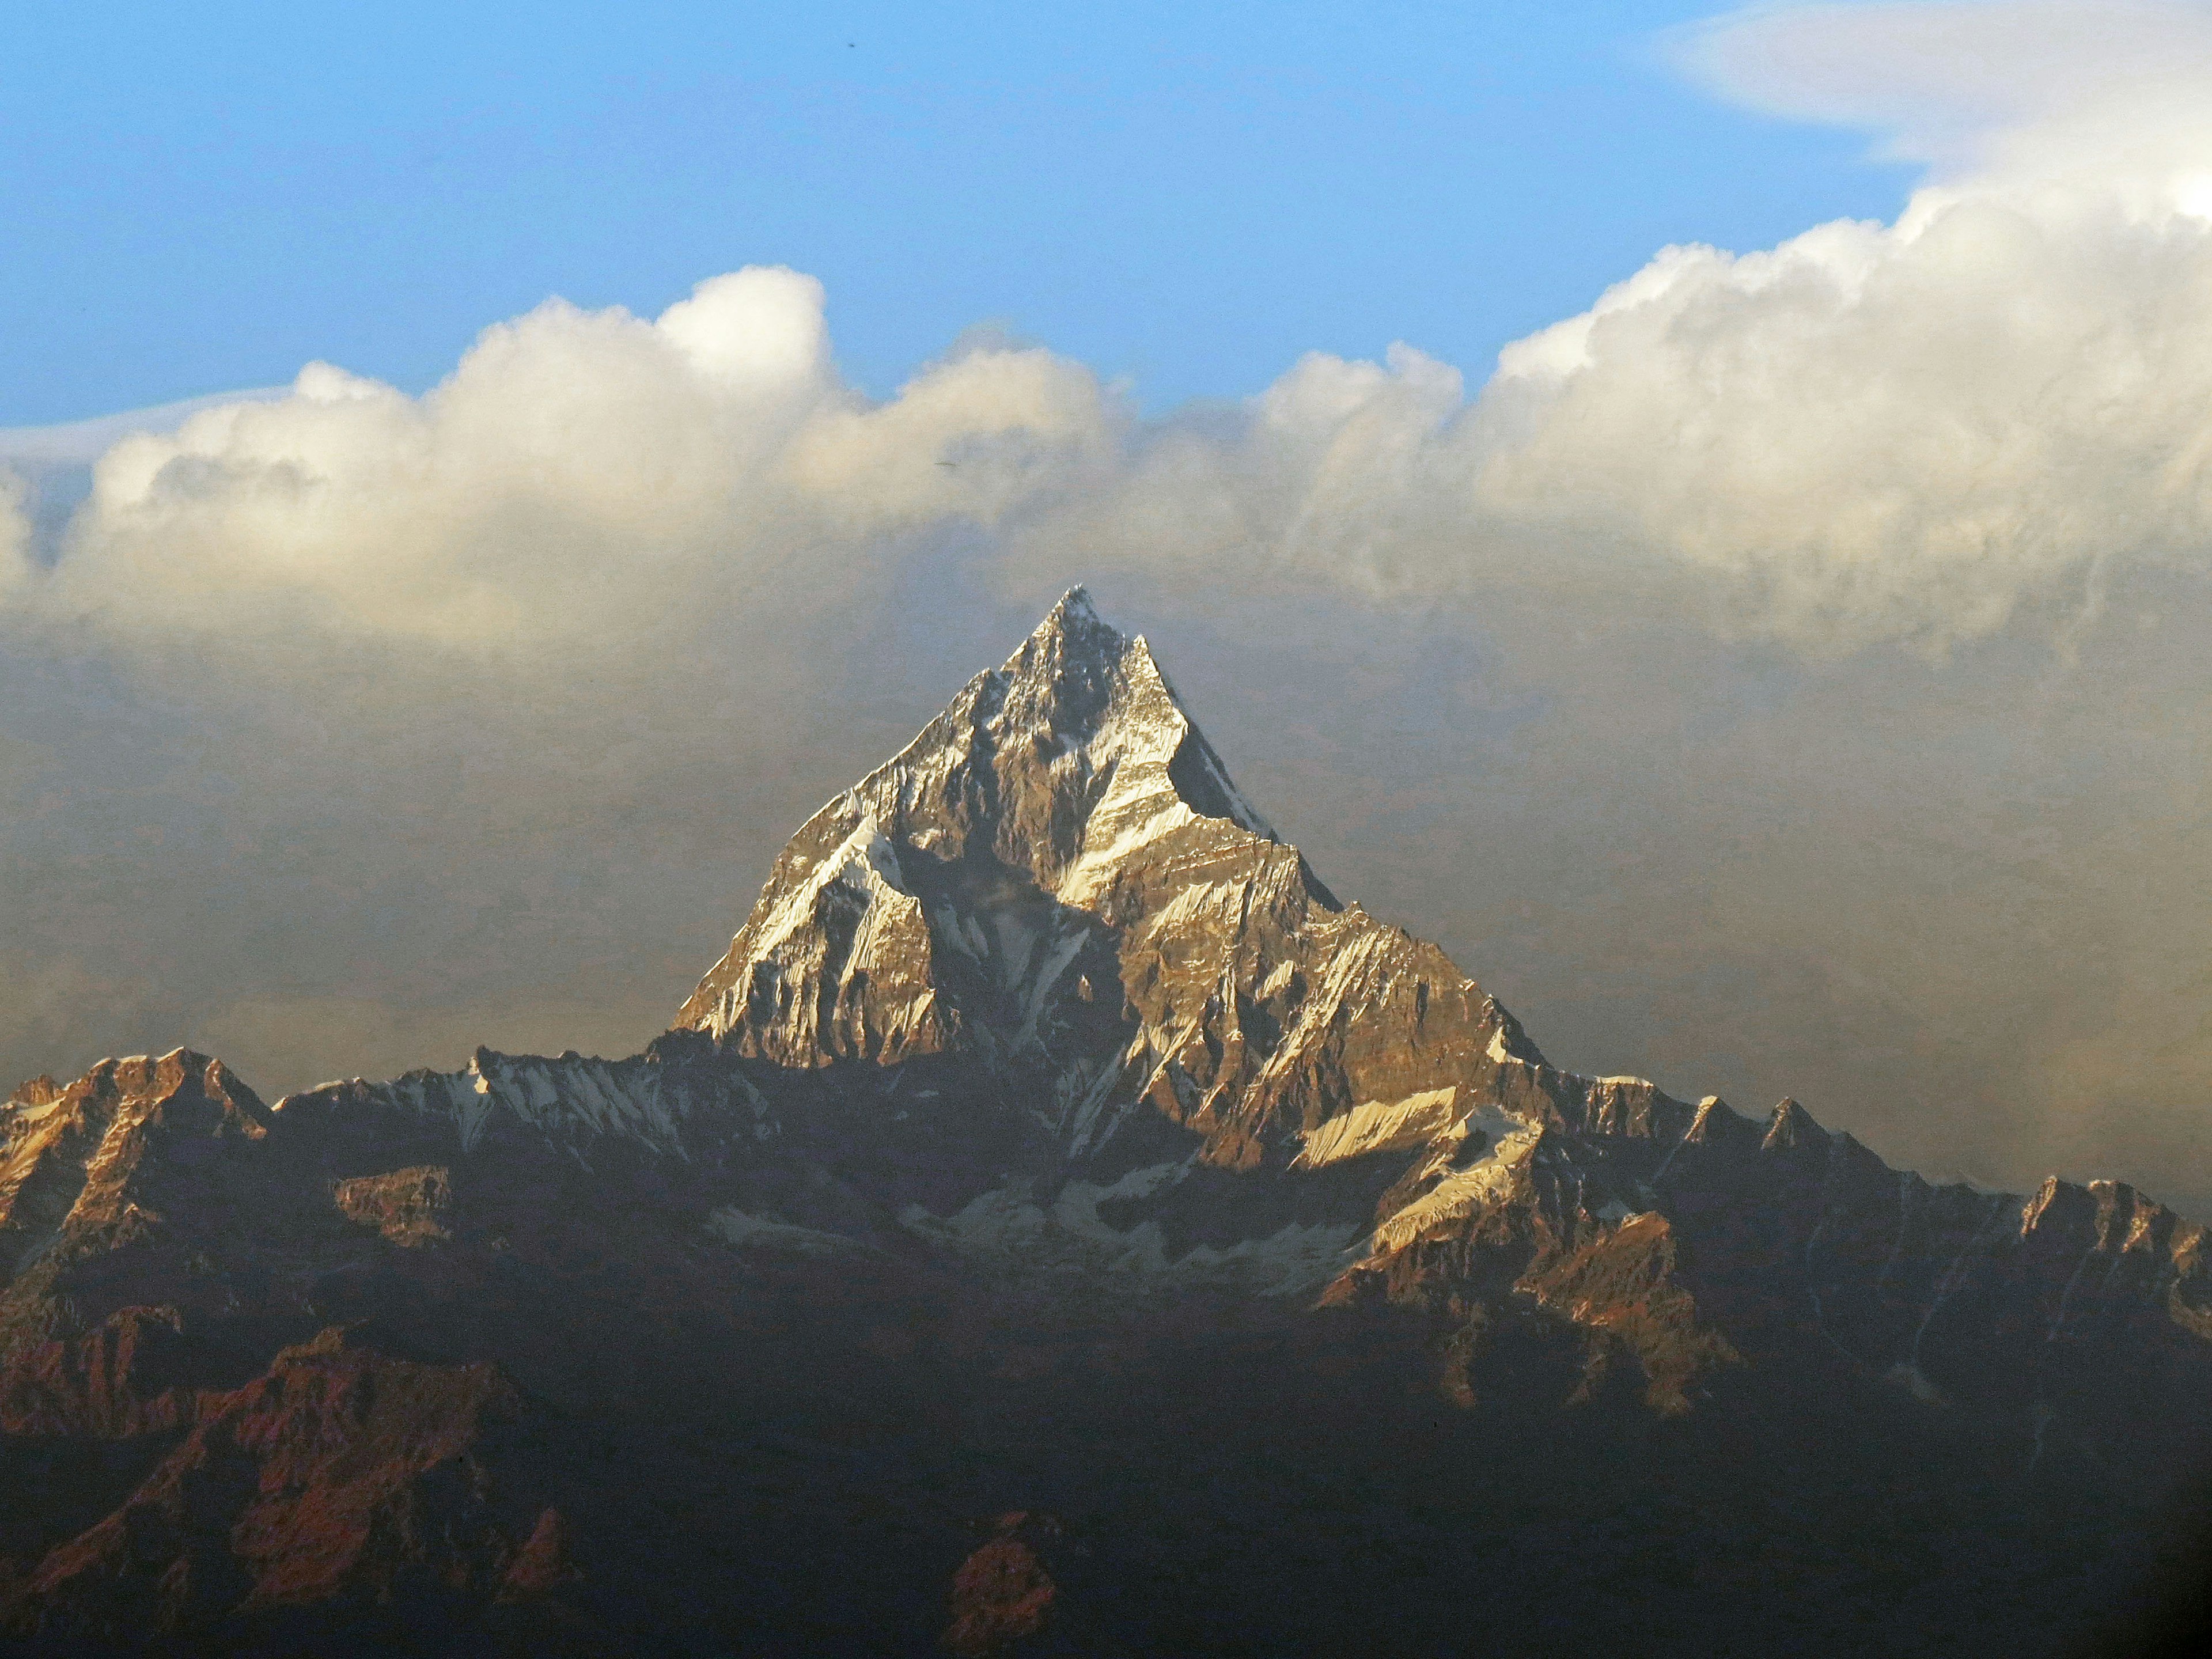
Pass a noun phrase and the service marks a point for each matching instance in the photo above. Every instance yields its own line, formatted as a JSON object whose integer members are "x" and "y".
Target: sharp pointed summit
{"x": 963, "y": 890}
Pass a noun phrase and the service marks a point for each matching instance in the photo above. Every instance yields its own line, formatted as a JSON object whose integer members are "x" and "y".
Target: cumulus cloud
{"x": 1873, "y": 432}
{"x": 575, "y": 467}
{"x": 1882, "y": 432}
{"x": 1908, "y": 431}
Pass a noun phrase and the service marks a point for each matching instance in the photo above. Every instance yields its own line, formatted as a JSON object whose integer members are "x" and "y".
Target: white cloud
{"x": 2031, "y": 94}
{"x": 1906, "y": 431}
{"x": 1870, "y": 433}
{"x": 573, "y": 476}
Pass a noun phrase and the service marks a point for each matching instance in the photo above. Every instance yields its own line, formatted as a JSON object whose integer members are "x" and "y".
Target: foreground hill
{"x": 1059, "y": 1224}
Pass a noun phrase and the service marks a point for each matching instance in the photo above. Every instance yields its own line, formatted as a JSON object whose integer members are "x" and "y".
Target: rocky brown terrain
{"x": 1060, "y": 1225}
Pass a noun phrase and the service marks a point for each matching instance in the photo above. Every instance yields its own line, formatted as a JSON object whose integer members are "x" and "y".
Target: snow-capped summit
{"x": 969, "y": 886}
{"x": 1058, "y": 878}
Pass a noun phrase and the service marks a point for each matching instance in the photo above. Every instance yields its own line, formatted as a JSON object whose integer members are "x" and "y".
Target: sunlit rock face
{"x": 1046, "y": 1113}
{"x": 1022, "y": 868}
{"x": 1056, "y": 893}
{"x": 1057, "y": 883}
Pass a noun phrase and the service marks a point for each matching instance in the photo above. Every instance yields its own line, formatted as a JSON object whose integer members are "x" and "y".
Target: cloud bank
{"x": 1781, "y": 676}
{"x": 1871, "y": 432}
{"x": 574, "y": 470}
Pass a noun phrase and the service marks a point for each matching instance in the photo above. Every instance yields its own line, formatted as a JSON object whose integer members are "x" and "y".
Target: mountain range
{"x": 1059, "y": 1224}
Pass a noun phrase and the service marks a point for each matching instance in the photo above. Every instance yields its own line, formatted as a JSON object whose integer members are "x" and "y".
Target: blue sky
{"x": 206, "y": 198}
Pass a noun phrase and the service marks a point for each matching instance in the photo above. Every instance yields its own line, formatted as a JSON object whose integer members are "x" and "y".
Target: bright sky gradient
{"x": 203, "y": 197}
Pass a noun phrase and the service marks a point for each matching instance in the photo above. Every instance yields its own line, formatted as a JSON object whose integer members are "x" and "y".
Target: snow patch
{"x": 1113, "y": 836}
{"x": 1463, "y": 1192}
{"x": 1378, "y": 1126}
{"x": 1071, "y": 1238}
{"x": 866, "y": 860}
{"x": 1055, "y": 962}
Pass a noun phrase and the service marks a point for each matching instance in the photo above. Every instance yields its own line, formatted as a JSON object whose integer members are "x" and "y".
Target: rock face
{"x": 1050, "y": 1134}
{"x": 405, "y": 1207}
{"x": 330, "y": 1474}
{"x": 1056, "y": 891}
{"x": 1003, "y": 1594}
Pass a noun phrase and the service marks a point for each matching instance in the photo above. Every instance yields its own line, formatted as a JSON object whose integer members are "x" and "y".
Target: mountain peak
{"x": 1072, "y": 609}
{"x": 1072, "y": 629}
{"x": 1030, "y": 809}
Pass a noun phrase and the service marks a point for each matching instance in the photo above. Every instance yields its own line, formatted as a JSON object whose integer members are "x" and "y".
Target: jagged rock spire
{"x": 1044, "y": 780}
{"x": 1058, "y": 877}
